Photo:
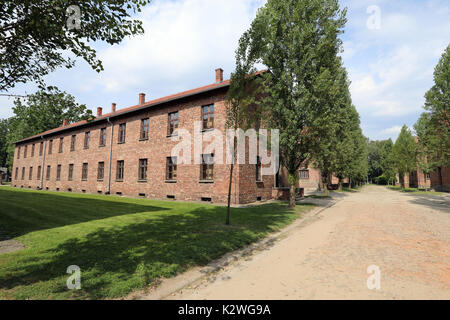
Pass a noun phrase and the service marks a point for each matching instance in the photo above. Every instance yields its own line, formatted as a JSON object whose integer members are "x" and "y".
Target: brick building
{"x": 128, "y": 152}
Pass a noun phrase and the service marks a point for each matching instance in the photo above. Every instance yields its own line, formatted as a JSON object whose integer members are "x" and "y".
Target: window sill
{"x": 207, "y": 130}
{"x": 142, "y": 181}
{"x": 102, "y": 145}
{"x": 99, "y": 180}
{"x": 171, "y": 135}
{"x": 143, "y": 139}
{"x": 86, "y": 148}
{"x": 119, "y": 180}
{"x": 170, "y": 181}
{"x": 259, "y": 181}
{"x": 206, "y": 181}
{"x": 83, "y": 179}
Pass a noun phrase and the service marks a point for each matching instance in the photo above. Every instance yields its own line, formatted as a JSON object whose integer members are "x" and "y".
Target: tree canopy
{"x": 298, "y": 41}
{"x": 404, "y": 153}
{"x": 433, "y": 126}
{"x": 41, "y": 111}
{"x": 35, "y": 37}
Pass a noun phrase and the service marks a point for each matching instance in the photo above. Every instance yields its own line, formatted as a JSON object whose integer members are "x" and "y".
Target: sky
{"x": 390, "y": 51}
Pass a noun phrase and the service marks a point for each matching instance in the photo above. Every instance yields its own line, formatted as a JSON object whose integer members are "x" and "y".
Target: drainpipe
{"x": 43, "y": 163}
{"x": 110, "y": 156}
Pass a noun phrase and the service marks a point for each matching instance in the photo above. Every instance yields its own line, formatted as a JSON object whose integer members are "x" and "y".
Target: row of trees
{"x": 46, "y": 109}
{"x": 429, "y": 150}
{"x": 305, "y": 91}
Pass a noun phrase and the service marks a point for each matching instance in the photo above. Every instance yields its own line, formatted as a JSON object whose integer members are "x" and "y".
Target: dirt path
{"x": 406, "y": 236}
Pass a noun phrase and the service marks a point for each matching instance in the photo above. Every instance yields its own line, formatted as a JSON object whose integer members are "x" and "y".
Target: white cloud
{"x": 390, "y": 131}
{"x": 183, "y": 40}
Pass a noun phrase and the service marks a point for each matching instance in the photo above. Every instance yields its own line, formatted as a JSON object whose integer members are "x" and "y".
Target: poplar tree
{"x": 298, "y": 41}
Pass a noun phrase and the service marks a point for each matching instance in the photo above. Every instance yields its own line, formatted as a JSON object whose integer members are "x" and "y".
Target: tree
{"x": 433, "y": 126}
{"x": 35, "y": 35}
{"x": 238, "y": 104}
{"x": 387, "y": 161}
{"x": 3, "y": 144}
{"x": 42, "y": 111}
{"x": 297, "y": 40}
{"x": 405, "y": 154}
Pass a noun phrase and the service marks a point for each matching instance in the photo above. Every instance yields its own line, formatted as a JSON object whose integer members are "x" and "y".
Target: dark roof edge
{"x": 118, "y": 113}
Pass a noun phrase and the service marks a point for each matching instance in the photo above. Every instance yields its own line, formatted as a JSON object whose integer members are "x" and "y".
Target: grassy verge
{"x": 415, "y": 191}
{"x": 120, "y": 244}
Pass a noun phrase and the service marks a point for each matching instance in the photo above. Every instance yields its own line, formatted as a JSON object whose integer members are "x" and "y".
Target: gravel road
{"x": 406, "y": 237}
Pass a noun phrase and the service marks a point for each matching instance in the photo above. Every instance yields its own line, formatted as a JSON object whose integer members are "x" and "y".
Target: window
{"x": 144, "y": 128}
{"x": 32, "y": 149}
{"x": 16, "y": 175}
{"x": 120, "y": 169}
{"x": 23, "y": 173}
{"x": 101, "y": 171}
{"x": 304, "y": 174}
{"x": 41, "y": 148}
{"x": 70, "y": 178}
{"x": 427, "y": 176}
{"x": 84, "y": 172}
{"x": 173, "y": 122}
{"x": 122, "y": 132}
{"x": 171, "y": 169}
{"x": 102, "y": 142}
{"x": 39, "y": 171}
{"x": 50, "y": 147}
{"x": 58, "y": 172}
{"x": 207, "y": 167}
{"x": 208, "y": 117}
{"x": 72, "y": 142}
{"x": 143, "y": 169}
{"x": 30, "y": 175}
{"x": 25, "y": 152}
{"x": 61, "y": 144}
{"x": 18, "y": 153}
{"x": 87, "y": 138}
{"x": 48, "y": 172}
{"x": 258, "y": 169}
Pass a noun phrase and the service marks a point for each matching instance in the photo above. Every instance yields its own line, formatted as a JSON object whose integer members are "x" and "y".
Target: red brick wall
{"x": 445, "y": 171}
{"x": 156, "y": 149}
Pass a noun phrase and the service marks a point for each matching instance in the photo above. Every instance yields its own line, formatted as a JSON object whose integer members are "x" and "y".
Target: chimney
{"x": 141, "y": 98}
{"x": 113, "y": 107}
{"x": 219, "y": 75}
{"x": 65, "y": 122}
{"x": 99, "y": 111}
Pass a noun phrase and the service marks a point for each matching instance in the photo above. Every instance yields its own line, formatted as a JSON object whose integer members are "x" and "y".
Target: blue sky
{"x": 390, "y": 67}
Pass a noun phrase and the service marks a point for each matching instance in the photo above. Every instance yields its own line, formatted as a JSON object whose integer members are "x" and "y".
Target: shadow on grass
{"x": 118, "y": 260}
{"x": 22, "y": 212}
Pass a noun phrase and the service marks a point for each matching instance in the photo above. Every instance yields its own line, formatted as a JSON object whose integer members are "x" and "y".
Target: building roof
{"x": 134, "y": 108}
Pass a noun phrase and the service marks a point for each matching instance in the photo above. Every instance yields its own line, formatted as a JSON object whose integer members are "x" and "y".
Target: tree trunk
{"x": 440, "y": 179}
{"x": 227, "y": 222}
{"x": 292, "y": 195}
{"x": 340, "y": 184}
{"x": 325, "y": 186}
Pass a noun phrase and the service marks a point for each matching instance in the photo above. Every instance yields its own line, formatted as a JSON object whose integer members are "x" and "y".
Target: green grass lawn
{"x": 415, "y": 191}
{"x": 120, "y": 244}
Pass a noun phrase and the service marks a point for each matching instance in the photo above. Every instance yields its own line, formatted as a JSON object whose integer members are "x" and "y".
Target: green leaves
{"x": 433, "y": 126}
{"x": 33, "y": 35}
{"x": 42, "y": 111}
{"x": 405, "y": 152}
